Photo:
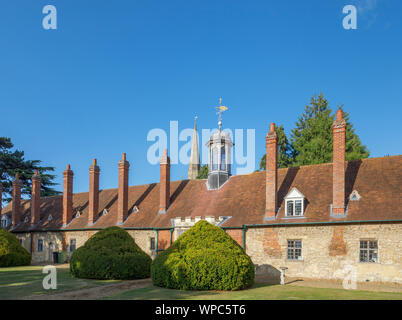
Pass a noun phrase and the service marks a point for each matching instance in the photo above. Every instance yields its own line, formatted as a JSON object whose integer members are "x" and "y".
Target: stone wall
{"x": 326, "y": 250}
{"x": 61, "y": 242}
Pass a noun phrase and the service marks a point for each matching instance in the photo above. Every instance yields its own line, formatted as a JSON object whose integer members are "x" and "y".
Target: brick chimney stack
{"x": 35, "y": 198}
{"x": 16, "y": 205}
{"x": 271, "y": 173}
{"x": 93, "y": 192}
{"x": 164, "y": 183}
{"x": 67, "y": 195}
{"x": 122, "y": 199}
{"x": 338, "y": 164}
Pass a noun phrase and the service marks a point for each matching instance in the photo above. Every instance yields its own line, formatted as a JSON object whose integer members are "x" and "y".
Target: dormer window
{"x": 294, "y": 204}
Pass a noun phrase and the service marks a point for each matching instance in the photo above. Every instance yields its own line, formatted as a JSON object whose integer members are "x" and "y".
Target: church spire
{"x": 194, "y": 165}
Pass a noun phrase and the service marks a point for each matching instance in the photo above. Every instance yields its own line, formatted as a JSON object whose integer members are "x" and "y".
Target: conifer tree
{"x": 12, "y": 162}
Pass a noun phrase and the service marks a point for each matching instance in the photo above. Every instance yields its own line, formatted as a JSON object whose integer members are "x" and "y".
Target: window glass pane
{"x": 298, "y": 244}
{"x": 290, "y": 243}
{"x": 373, "y": 244}
{"x": 363, "y": 244}
{"x": 372, "y": 256}
{"x": 223, "y": 159}
{"x": 214, "y": 159}
{"x": 290, "y": 207}
{"x": 298, "y": 208}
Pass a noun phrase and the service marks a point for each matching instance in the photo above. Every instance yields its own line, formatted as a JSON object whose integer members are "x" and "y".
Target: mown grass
{"x": 19, "y": 282}
{"x": 259, "y": 291}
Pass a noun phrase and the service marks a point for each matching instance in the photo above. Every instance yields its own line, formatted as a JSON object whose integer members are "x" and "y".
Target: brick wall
{"x": 237, "y": 235}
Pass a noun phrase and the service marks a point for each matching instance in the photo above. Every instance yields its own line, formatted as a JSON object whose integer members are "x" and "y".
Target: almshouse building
{"x": 315, "y": 220}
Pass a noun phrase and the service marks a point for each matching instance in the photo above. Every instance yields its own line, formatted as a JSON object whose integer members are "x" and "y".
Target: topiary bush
{"x": 11, "y": 252}
{"x": 110, "y": 254}
{"x": 203, "y": 258}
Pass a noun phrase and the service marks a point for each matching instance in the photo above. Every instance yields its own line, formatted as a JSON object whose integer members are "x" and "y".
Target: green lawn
{"x": 19, "y": 282}
{"x": 260, "y": 291}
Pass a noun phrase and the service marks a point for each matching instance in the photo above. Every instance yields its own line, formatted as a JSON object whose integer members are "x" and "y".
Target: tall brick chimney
{"x": 271, "y": 173}
{"x": 122, "y": 198}
{"x": 16, "y": 205}
{"x": 164, "y": 182}
{"x": 35, "y": 198}
{"x": 93, "y": 192}
{"x": 67, "y": 195}
{"x": 338, "y": 164}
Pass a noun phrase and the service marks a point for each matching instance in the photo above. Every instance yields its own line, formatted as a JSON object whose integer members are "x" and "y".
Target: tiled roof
{"x": 377, "y": 180}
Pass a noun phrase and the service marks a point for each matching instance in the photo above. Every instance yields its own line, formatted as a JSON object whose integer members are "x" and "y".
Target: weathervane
{"x": 220, "y": 109}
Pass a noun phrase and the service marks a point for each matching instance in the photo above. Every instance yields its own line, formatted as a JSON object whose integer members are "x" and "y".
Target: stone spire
{"x": 194, "y": 164}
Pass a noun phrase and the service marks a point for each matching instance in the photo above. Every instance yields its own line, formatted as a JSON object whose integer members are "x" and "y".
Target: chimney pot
{"x": 16, "y": 204}
{"x": 271, "y": 173}
{"x": 35, "y": 198}
{"x": 338, "y": 164}
{"x": 122, "y": 198}
{"x": 93, "y": 202}
{"x": 67, "y": 195}
{"x": 164, "y": 183}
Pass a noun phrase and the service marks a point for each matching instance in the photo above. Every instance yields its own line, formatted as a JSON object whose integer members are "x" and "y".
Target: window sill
{"x": 294, "y": 260}
{"x": 294, "y": 217}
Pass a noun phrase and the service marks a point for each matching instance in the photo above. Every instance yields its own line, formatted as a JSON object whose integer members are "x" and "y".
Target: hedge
{"x": 11, "y": 252}
{"x": 110, "y": 254}
{"x": 203, "y": 258}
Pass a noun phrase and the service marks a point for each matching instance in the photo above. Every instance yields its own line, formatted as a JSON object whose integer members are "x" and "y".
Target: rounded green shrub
{"x": 203, "y": 258}
{"x": 110, "y": 254}
{"x": 11, "y": 252}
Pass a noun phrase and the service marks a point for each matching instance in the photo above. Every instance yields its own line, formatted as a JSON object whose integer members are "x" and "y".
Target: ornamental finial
{"x": 220, "y": 109}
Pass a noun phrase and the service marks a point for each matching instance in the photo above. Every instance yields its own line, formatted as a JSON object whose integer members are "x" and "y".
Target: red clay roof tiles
{"x": 377, "y": 180}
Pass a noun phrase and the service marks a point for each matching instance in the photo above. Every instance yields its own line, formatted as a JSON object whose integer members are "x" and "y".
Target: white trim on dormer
{"x": 294, "y": 193}
{"x": 293, "y": 198}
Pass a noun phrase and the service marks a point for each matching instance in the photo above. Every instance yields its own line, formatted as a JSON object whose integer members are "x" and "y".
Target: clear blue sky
{"x": 113, "y": 70}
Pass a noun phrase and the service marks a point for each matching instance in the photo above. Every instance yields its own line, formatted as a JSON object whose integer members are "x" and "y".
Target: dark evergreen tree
{"x": 311, "y": 139}
{"x": 12, "y": 162}
{"x": 203, "y": 174}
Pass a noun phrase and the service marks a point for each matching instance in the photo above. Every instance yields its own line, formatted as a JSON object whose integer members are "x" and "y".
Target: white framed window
{"x": 40, "y": 245}
{"x": 294, "y": 204}
{"x": 152, "y": 244}
{"x": 368, "y": 251}
{"x": 294, "y": 250}
{"x": 73, "y": 245}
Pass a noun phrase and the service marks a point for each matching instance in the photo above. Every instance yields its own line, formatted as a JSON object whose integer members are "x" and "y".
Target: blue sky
{"x": 114, "y": 70}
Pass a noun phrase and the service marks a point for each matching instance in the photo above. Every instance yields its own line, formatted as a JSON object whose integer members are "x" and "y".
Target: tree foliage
{"x": 203, "y": 258}
{"x": 203, "y": 174}
{"x": 110, "y": 254}
{"x": 12, "y": 162}
{"x": 311, "y": 141}
{"x": 11, "y": 252}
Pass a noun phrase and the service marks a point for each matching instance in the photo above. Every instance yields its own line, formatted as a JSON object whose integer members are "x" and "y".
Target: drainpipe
{"x": 31, "y": 236}
{"x": 244, "y": 228}
{"x": 171, "y": 236}
{"x": 157, "y": 241}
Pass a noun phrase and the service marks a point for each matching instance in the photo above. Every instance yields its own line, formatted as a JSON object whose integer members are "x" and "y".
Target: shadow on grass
{"x": 19, "y": 282}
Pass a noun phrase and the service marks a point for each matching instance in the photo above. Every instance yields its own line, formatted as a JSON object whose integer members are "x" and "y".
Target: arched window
{"x": 214, "y": 159}
{"x": 223, "y": 158}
